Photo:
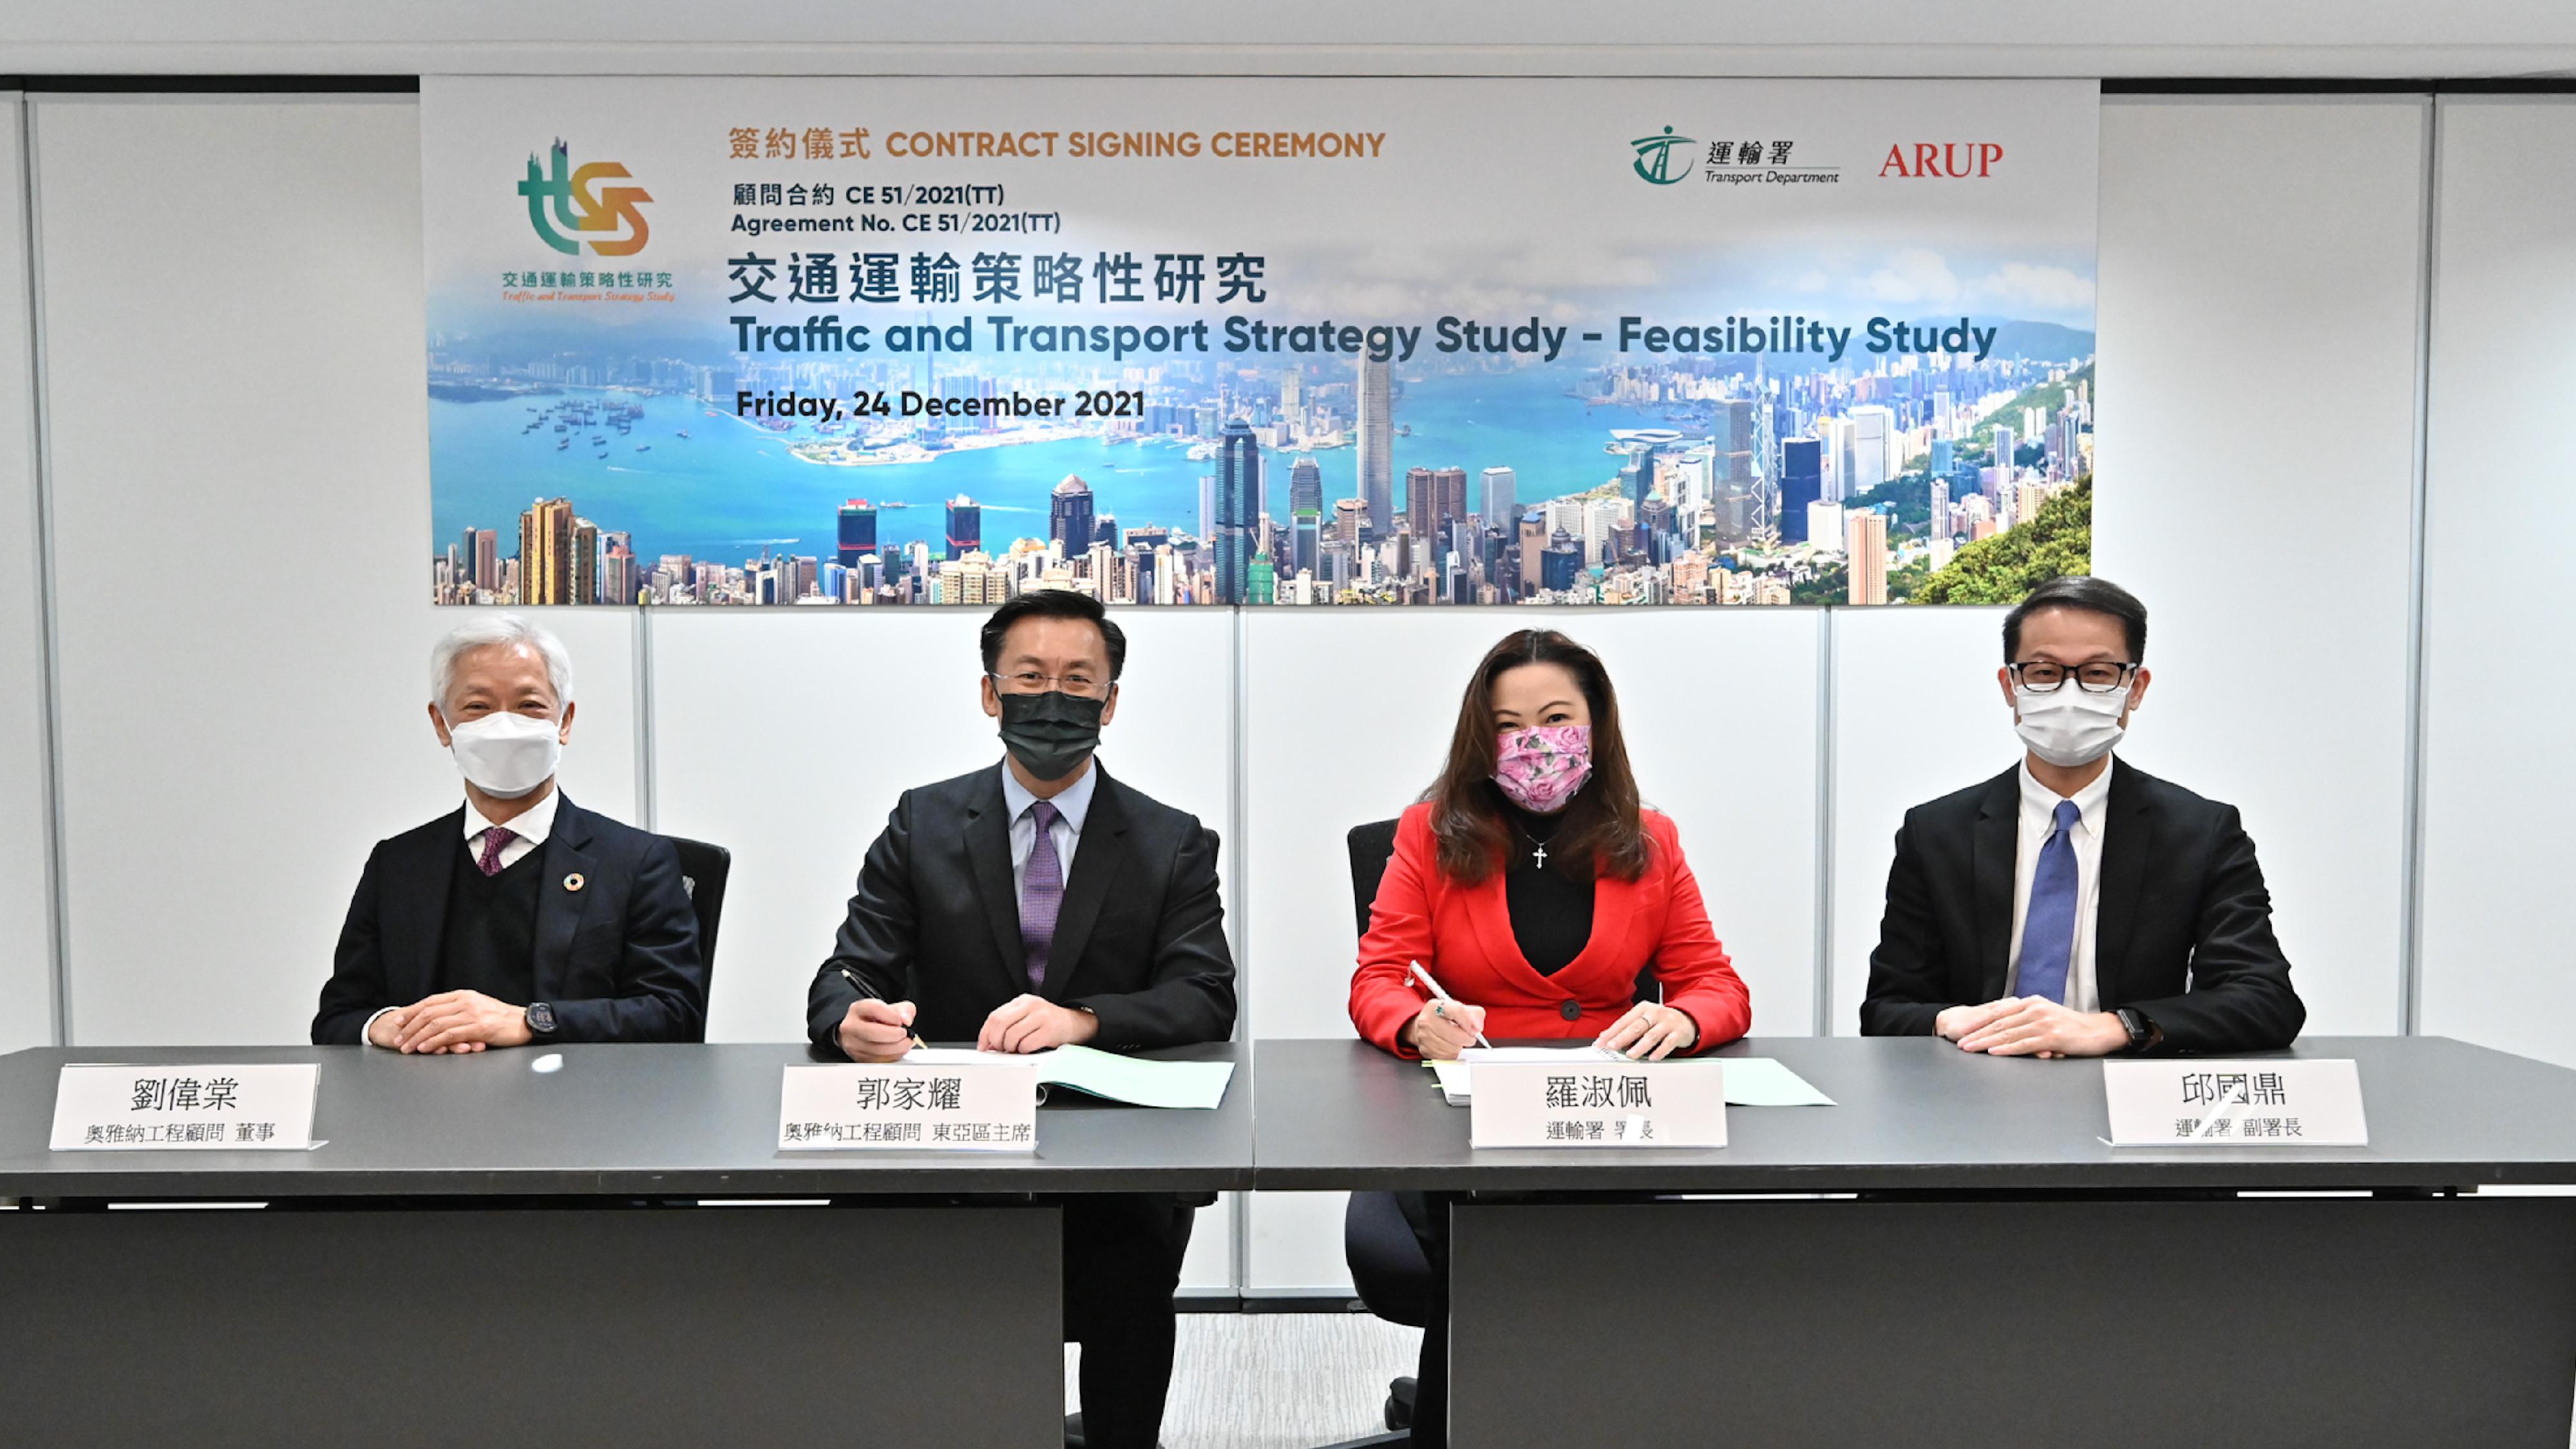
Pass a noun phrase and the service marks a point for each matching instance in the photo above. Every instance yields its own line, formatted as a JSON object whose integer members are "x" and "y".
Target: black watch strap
{"x": 541, "y": 1019}
{"x": 2142, "y": 1032}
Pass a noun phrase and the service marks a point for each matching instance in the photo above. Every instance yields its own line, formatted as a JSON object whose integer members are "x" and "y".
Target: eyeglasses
{"x": 1077, "y": 683}
{"x": 2041, "y": 676}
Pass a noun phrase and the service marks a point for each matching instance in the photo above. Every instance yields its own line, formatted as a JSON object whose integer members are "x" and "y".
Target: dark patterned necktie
{"x": 1041, "y": 894}
{"x": 493, "y": 840}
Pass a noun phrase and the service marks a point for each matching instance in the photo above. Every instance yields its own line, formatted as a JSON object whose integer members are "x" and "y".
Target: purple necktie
{"x": 493, "y": 840}
{"x": 1041, "y": 895}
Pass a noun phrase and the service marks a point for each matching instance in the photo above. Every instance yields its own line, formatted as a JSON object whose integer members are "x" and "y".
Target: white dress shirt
{"x": 531, "y": 825}
{"x": 2038, "y": 822}
{"x": 1072, "y": 804}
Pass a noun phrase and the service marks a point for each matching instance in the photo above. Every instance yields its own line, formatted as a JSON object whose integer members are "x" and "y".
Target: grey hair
{"x": 497, "y": 629}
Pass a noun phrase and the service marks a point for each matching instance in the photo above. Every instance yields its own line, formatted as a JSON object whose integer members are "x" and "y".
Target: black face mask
{"x": 1050, "y": 734}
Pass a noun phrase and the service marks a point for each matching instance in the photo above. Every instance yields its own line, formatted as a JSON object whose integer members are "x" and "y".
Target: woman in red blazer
{"x": 1531, "y": 884}
{"x": 1535, "y": 889}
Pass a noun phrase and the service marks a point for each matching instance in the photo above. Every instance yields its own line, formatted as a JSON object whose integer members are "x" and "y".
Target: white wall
{"x": 242, "y": 611}
{"x": 240, "y": 497}
{"x": 2261, "y": 265}
{"x": 26, "y": 842}
{"x": 2499, "y": 609}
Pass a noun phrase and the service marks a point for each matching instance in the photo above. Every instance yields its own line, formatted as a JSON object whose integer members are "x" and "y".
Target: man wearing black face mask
{"x": 1038, "y": 904}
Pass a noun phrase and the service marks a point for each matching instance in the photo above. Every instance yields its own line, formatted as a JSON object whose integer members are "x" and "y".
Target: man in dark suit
{"x": 1039, "y": 903}
{"x": 2075, "y": 906}
{"x": 520, "y": 918}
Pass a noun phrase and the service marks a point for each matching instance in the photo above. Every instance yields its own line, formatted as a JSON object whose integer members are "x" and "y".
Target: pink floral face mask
{"x": 1540, "y": 769}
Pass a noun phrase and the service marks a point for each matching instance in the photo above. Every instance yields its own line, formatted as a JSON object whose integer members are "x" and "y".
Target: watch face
{"x": 541, "y": 1017}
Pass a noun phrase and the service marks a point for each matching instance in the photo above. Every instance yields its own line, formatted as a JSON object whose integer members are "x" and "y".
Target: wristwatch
{"x": 2142, "y": 1032}
{"x": 541, "y": 1019}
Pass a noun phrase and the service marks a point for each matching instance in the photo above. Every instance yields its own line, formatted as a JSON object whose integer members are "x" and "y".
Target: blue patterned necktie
{"x": 2048, "y": 930}
{"x": 1041, "y": 895}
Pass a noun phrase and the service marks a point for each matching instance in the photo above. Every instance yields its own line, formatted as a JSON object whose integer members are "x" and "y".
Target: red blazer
{"x": 1463, "y": 935}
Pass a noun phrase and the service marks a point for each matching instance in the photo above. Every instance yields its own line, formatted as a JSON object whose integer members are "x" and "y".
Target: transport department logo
{"x": 1654, "y": 158}
{"x": 578, "y": 209}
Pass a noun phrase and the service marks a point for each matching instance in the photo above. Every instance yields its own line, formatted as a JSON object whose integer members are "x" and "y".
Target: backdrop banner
{"x": 1259, "y": 342}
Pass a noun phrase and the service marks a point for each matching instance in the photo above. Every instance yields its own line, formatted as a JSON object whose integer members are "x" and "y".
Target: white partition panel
{"x": 241, "y": 514}
{"x": 1916, "y": 716}
{"x": 2261, "y": 272}
{"x": 1347, "y": 715}
{"x": 26, "y": 842}
{"x": 2499, "y": 608}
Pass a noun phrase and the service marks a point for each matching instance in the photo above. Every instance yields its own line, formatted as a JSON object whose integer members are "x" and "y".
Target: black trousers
{"x": 1122, "y": 1263}
{"x": 1428, "y": 1213}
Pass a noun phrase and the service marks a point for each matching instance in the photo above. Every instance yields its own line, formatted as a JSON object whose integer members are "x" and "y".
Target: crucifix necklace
{"x": 1538, "y": 847}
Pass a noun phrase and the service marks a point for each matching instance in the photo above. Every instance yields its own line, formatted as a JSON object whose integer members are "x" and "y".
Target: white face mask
{"x": 506, "y": 755}
{"x": 2067, "y": 726}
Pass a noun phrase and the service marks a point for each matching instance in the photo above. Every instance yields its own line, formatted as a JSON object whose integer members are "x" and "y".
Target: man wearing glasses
{"x": 2075, "y": 906}
{"x": 1040, "y": 903}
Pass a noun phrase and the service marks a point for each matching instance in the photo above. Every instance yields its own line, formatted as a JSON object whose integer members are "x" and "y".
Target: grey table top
{"x": 1918, "y": 1113}
{"x": 649, "y": 1121}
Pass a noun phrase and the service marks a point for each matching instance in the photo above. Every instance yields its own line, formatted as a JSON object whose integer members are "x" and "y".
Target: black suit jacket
{"x": 617, "y": 959}
{"x": 2184, "y": 935}
{"x": 1139, "y": 941}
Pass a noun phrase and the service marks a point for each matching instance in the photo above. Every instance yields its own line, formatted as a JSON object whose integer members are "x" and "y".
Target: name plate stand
{"x": 1589, "y": 1102}
{"x": 941, "y": 1107}
{"x": 2191, "y": 1103}
{"x": 199, "y": 1108}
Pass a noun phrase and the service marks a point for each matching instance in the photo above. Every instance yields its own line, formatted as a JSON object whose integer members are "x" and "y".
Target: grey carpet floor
{"x": 1277, "y": 1380}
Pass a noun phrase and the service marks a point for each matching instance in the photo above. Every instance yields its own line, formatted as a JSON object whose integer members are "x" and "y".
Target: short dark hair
{"x": 1054, "y": 604}
{"x": 2094, "y": 596}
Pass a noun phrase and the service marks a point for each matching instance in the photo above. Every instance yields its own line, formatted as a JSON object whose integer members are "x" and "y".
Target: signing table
{"x": 1954, "y": 1255}
{"x": 611, "y": 1251}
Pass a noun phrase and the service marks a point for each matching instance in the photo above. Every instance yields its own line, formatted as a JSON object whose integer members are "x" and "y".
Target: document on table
{"x": 1132, "y": 1080}
{"x": 1750, "y": 1081}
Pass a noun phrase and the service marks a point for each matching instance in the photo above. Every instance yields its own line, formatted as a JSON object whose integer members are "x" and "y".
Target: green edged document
{"x": 1132, "y": 1080}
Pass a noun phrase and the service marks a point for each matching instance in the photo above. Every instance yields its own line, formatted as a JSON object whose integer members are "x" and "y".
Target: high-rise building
{"x": 1801, "y": 483}
{"x": 1348, "y": 515}
{"x": 1873, "y": 447}
{"x": 585, "y": 561}
{"x": 617, "y": 576}
{"x": 1534, "y": 534}
{"x": 1500, "y": 502}
{"x": 1421, "y": 501}
{"x": 965, "y": 527}
{"x": 1865, "y": 557}
{"x": 1069, "y": 516}
{"x": 1290, "y": 390}
{"x": 1825, "y": 525}
{"x": 1834, "y": 461}
{"x": 483, "y": 548}
{"x": 545, "y": 552}
{"x": 1449, "y": 498}
{"x": 1377, "y": 446}
{"x": 1238, "y": 510}
{"x": 1306, "y": 546}
{"x": 1305, "y": 485}
{"x": 1261, "y": 581}
{"x": 858, "y": 536}
{"x": 1940, "y": 520}
{"x": 1561, "y": 562}
{"x": 2005, "y": 446}
{"x": 1207, "y": 507}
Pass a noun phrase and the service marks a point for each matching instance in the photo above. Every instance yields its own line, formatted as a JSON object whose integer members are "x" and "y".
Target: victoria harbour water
{"x": 730, "y": 491}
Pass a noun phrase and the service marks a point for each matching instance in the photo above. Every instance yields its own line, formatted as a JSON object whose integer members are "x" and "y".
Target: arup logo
{"x": 1655, "y": 158}
{"x": 577, "y": 209}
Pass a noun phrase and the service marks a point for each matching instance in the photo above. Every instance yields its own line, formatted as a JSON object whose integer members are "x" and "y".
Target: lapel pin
{"x": 573, "y": 882}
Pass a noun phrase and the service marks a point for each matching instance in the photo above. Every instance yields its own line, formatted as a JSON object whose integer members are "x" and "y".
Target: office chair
{"x": 703, "y": 869}
{"x": 1388, "y": 1270}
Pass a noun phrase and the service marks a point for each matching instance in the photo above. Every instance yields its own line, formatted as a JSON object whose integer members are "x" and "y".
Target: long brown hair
{"x": 1600, "y": 834}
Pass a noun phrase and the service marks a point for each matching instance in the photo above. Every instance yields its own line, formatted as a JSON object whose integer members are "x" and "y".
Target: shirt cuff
{"x": 366, "y": 1033}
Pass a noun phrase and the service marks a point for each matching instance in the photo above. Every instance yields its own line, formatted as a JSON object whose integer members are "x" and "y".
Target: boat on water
{"x": 684, "y": 432}
{"x": 643, "y": 447}
{"x": 562, "y": 443}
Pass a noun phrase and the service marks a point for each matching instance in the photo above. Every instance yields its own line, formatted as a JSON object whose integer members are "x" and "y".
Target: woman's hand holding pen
{"x": 877, "y": 1031}
{"x": 1442, "y": 1028}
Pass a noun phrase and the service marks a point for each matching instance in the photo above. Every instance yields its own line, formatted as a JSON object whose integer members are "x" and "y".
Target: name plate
{"x": 2235, "y": 1104}
{"x": 267, "y": 1108}
{"x": 1594, "y": 1102}
{"x": 941, "y": 1107}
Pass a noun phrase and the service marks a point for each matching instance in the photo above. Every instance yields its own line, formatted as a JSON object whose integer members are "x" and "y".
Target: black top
{"x": 1551, "y": 906}
{"x": 1139, "y": 942}
{"x": 613, "y": 947}
{"x": 490, "y": 944}
{"x": 2185, "y": 927}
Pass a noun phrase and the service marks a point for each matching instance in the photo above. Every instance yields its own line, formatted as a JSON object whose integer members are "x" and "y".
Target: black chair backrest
{"x": 1372, "y": 846}
{"x": 703, "y": 869}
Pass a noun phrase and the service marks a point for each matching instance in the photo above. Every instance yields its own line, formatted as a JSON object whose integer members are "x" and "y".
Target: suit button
{"x": 1571, "y": 1011}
